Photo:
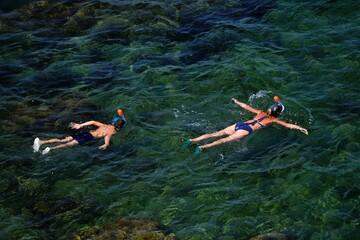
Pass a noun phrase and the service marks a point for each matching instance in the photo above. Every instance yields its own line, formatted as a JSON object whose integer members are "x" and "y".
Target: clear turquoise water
{"x": 173, "y": 66}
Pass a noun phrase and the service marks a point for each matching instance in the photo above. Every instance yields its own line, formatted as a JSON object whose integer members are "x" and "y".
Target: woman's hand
{"x": 243, "y": 105}
{"x": 303, "y": 130}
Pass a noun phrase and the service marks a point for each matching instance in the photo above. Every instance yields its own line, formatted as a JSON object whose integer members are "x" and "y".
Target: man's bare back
{"x": 104, "y": 131}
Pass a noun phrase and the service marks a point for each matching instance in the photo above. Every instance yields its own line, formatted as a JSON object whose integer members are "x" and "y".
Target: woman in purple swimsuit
{"x": 242, "y": 129}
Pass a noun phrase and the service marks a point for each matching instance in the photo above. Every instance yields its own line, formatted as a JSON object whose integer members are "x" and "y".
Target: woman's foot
{"x": 197, "y": 151}
{"x": 187, "y": 143}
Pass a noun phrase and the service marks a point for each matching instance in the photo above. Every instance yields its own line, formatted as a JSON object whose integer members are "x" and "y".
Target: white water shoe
{"x": 37, "y": 144}
{"x": 46, "y": 150}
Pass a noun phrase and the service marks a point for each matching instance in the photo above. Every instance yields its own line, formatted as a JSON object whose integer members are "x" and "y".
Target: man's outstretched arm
{"x": 89, "y": 123}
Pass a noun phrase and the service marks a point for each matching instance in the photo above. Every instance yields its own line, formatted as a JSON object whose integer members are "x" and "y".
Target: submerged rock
{"x": 125, "y": 228}
{"x": 271, "y": 236}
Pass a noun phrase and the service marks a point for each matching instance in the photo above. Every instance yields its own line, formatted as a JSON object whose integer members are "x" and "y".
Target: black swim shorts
{"x": 83, "y": 137}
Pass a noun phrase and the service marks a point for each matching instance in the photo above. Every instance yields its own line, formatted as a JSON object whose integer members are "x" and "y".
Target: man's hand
{"x": 103, "y": 147}
{"x": 75, "y": 125}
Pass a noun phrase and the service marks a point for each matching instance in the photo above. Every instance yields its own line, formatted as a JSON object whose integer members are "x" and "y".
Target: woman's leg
{"x": 237, "y": 135}
{"x": 227, "y": 131}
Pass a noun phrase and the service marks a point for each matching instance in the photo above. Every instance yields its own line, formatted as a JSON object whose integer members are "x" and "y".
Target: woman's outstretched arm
{"x": 246, "y": 107}
{"x": 291, "y": 126}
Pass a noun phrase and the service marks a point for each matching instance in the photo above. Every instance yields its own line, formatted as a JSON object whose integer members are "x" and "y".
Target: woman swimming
{"x": 242, "y": 129}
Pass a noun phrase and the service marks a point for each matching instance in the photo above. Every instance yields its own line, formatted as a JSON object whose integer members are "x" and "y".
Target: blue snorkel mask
{"x": 120, "y": 118}
{"x": 116, "y": 124}
{"x": 276, "y": 109}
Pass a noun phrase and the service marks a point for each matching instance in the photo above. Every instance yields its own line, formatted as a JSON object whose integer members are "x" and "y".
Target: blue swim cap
{"x": 115, "y": 120}
{"x": 119, "y": 125}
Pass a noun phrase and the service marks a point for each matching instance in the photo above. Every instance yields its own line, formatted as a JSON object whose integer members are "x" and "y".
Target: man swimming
{"x": 105, "y": 131}
{"x": 242, "y": 129}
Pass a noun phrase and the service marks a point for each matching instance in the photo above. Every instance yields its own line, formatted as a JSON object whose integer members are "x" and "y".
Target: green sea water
{"x": 173, "y": 67}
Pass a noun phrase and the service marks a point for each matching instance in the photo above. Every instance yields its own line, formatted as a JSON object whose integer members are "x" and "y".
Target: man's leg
{"x": 68, "y": 144}
{"x": 38, "y": 142}
{"x": 56, "y": 140}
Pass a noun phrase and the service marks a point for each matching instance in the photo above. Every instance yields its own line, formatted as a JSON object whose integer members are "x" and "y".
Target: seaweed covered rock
{"x": 33, "y": 114}
{"x": 66, "y": 17}
{"x": 125, "y": 228}
{"x": 54, "y": 213}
